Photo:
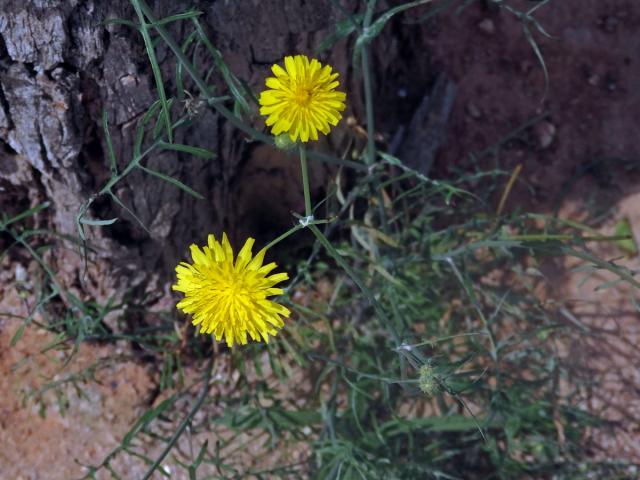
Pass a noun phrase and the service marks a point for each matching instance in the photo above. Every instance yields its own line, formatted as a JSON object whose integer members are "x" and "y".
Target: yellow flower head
{"x": 301, "y": 99}
{"x": 229, "y": 298}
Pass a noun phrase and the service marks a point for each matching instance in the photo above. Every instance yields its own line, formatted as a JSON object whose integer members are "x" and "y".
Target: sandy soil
{"x": 50, "y": 435}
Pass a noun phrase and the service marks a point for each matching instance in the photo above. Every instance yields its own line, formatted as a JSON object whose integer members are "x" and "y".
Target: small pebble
{"x": 20, "y": 273}
{"x": 473, "y": 110}
{"x": 545, "y": 133}
{"x": 487, "y": 26}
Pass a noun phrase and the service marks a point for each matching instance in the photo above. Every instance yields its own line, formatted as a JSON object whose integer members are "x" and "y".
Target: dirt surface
{"x": 592, "y": 98}
{"x": 577, "y": 158}
{"x": 605, "y": 356}
{"x": 49, "y": 433}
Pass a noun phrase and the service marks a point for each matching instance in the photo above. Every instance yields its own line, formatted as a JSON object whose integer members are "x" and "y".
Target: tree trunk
{"x": 60, "y": 67}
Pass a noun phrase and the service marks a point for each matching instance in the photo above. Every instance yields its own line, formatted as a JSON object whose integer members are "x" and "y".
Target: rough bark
{"x": 60, "y": 66}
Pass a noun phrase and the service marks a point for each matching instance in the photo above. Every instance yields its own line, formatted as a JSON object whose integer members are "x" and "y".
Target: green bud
{"x": 284, "y": 142}
{"x": 428, "y": 381}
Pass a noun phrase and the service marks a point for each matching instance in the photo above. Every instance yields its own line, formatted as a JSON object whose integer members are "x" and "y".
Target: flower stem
{"x": 368, "y": 101}
{"x": 305, "y": 182}
{"x": 368, "y": 93}
{"x": 370, "y": 154}
{"x": 334, "y": 253}
{"x": 360, "y": 284}
{"x": 289, "y": 232}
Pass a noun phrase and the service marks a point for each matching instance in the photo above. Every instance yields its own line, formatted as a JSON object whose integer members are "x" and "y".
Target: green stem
{"x": 368, "y": 91}
{"x": 545, "y": 237}
{"x": 334, "y": 253}
{"x": 360, "y": 284}
{"x": 472, "y": 296}
{"x": 368, "y": 14}
{"x": 370, "y": 154}
{"x": 60, "y": 291}
{"x": 305, "y": 182}
{"x": 286, "y": 234}
{"x": 368, "y": 101}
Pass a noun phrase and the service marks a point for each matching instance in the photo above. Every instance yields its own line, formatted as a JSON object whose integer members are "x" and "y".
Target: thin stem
{"x": 368, "y": 14}
{"x": 293, "y": 230}
{"x": 356, "y": 279}
{"x": 472, "y": 296}
{"x": 305, "y": 182}
{"x": 368, "y": 92}
{"x": 546, "y": 237}
{"x": 144, "y": 31}
{"x": 343, "y": 10}
{"x": 286, "y": 234}
{"x": 368, "y": 101}
{"x": 370, "y": 155}
{"x": 186, "y": 421}
{"x": 45, "y": 267}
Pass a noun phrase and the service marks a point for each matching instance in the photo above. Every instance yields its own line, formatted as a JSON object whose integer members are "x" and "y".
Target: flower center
{"x": 302, "y": 97}
{"x": 234, "y": 287}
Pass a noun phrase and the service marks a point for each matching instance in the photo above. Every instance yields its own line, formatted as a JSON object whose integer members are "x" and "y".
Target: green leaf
{"x": 180, "y": 68}
{"x": 175, "y": 18}
{"x": 157, "y": 75}
{"x": 376, "y": 27}
{"x": 25, "y": 214}
{"x": 194, "y": 467}
{"x": 120, "y": 21}
{"x": 173, "y": 181}
{"x": 197, "y": 151}
{"x": 145, "y": 419}
{"x": 107, "y": 137}
{"x": 536, "y": 49}
{"x": 140, "y": 129}
{"x": 129, "y": 211}
{"x": 434, "y": 11}
{"x": 95, "y": 222}
{"x": 18, "y": 335}
{"x": 344, "y": 28}
{"x": 629, "y": 245}
{"x": 230, "y": 79}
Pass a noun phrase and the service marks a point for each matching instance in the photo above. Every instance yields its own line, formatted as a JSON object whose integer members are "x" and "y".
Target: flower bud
{"x": 284, "y": 142}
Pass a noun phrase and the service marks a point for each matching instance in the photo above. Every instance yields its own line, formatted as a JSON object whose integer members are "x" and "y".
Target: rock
{"x": 473, "y": 110}
{"x": 594, "y": 80}
{"x": 545, "y": 133}
{"x": 487, "y": 26}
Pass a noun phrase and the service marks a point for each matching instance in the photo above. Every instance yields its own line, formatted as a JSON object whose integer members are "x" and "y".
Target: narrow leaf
{"x": 144, "y": 30}
{"x": 96, "y": 222}
{"x": 173, "y": 181}
{"x": 197, "y": 151}
{"x": 107, "y": 137}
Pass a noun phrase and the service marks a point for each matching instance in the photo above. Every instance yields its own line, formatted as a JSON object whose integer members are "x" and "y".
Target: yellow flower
{"x": 230, "y": 299}
{"x": 301, "y": 99}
